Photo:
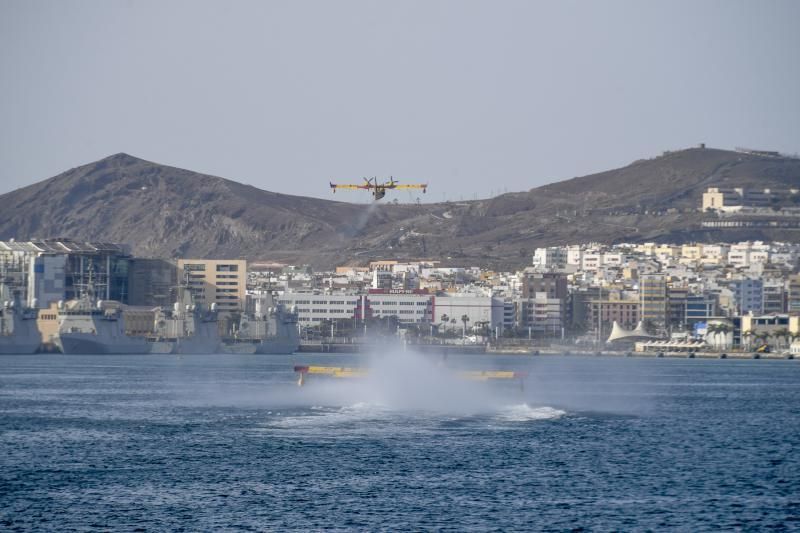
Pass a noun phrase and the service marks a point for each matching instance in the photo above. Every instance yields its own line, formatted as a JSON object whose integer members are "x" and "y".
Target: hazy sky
{"x": 472, "y": 97}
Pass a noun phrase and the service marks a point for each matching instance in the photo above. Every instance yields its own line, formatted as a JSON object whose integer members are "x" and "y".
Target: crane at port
{"x": 378, "y": 189}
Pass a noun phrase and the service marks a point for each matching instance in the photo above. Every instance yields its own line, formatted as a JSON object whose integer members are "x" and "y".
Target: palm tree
{"x": 793, "y": 337}
{"x": 715, "y": 329}
{"x": 444, "y": 318}
{"x": 465, "y": 319}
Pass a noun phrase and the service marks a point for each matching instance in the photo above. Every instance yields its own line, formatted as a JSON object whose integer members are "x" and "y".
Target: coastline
{"x": 450, "y": 349}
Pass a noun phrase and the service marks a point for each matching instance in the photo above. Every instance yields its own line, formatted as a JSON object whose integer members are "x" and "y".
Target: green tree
{"x": 465, "y": 319}
{"x": 444, "y": 318}
{"x": 714, "y": 330}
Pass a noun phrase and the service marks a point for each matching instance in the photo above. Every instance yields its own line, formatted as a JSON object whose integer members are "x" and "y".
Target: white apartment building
{"x": 691, "y": 252}
{"x": 551, "y": 257}
{"x": 574, "y": 255}
{"x": 715, "y": 254}
{"x": 667, "y": 254}
{"x": 591, "y": 260}
{"x": 314, "y": 308}
{"x": 614, "y": 259}
{"x": 739, "y": 255}
{"x": 478, "y": 310}
{"x": 409, "y": 306}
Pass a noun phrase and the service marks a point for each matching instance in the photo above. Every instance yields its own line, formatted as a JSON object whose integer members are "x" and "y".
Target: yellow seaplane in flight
{"x": 378, "y": 190}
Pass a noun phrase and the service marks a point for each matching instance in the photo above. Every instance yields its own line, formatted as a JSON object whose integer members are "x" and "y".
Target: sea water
{"x": 231, "y": 442}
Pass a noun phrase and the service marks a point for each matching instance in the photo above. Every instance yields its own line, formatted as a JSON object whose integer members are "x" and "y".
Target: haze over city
{"x": 566, "y": 297}
{"x": 475, "y": 98}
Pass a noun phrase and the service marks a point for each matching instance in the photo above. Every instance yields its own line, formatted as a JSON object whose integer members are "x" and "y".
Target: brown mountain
{"x": 167, "y": 212}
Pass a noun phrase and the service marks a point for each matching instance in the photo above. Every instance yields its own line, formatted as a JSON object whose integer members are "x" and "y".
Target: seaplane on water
{"x": 378, "y": 190}
{"x": 349, "y": 372}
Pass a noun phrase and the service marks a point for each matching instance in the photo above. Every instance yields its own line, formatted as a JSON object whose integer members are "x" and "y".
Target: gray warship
{"x": 188, "y": 328}
{"x": 19, "y": 333}
{"x": 270, "y": 329}
{"x": 87, "y": 326}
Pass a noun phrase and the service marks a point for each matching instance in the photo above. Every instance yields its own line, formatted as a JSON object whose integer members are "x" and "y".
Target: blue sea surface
{"x": 231, "y": 442}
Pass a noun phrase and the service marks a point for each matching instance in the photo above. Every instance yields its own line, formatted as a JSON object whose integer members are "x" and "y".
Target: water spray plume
{"x": 402, "y": 380}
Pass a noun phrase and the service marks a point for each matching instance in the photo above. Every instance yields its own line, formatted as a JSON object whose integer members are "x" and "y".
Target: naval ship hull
{"x": 263, "y": 347}
{"x": 276, "y": 347}
{"x": 195, "y": 346}
{"x": 86, "y": 343}
{"x": 13, "y": 346}
{"x": 21, "y": 337}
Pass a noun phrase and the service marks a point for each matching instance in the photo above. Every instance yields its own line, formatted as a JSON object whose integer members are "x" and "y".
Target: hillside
{"x": 168, "y": 212}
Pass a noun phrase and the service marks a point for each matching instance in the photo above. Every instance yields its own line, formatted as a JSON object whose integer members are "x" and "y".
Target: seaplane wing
{"x": 423, "y": 186}
{"x": 335, "y": 186}
{"x": 355, "y": 372}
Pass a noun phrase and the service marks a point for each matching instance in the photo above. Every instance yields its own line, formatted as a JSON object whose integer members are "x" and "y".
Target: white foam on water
{"x": 333, "y": 417}
{"x": 525, "y": 413}
{"x": 380, "y": 418}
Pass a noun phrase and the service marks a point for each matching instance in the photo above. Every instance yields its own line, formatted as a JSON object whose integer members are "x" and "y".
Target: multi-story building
{"x": 541, "y": 314}
{"x": 575, "y": 255}
{"x": 715, "y": 254}
{"x": 691, "y": 252}
{"x": 222, "y": 282}
{"x": 614, "y": 259}
{"x": 553, "y": 284}
{"x": 781, "y": 328}
{"x": 542, "y": 306}
{"x": 745, "y": 254}
{"x": 479, "y": 310}
{"x": 718, "y": 197}
{"x": 793, "y": 300}
{"x": 748, "y": 295}
{"x": 623, "y": 312}
{"x": 591, "y": 261}
{"x": 382, "y": 279}
{"x": 49, "y": 270}
{"x": 551, "y": 257}
{"x": 676, "y": 303}
{"x": 152, "y": 282}
{"x": 666, "y": 253}
{"x": 733, "y": 199}
{"x": 314, "y": 308}
{"x": 408, "y": 305}
{"x": 412, "y": 306}
{"x": 739, "y": 255}
{"x": 700, "y": 308}
{"x": 773, "y": 297}
{"x": 47, "y": 280}
{"x": 653, "y": 299}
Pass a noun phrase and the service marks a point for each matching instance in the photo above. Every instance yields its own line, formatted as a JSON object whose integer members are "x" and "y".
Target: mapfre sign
{"x": 398, "y": 291}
